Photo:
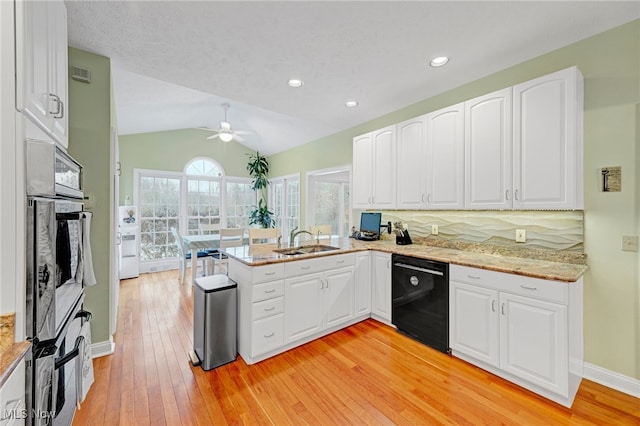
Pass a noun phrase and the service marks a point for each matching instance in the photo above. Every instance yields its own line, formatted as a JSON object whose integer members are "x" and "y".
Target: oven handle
{"x": 69, "y": 216}
{"x": 71, "y": 354}
{"x": 83, "y": 314}
{"x": 416, "y": 268}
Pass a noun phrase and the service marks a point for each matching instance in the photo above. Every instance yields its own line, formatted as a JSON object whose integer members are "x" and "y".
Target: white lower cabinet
{"x": 381, "y": 286}
{"x": 524, "y": 329}
{"x": 12, "y": 398}
{"x": 362, "y": 282}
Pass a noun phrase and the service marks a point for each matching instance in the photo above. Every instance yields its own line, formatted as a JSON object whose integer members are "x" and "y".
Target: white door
{"x": 362, "y": 171}
{"x": 363, "y": 283}
{"x": 384, "y": 168}
{"x": 116, "y": 238}
{"x": 302, "y": 306}
{"x": 473, "y": 322}
{"x": 445, "y": 158}
{"x": 382, "y": 285}
{"x": 488, "y": 151}
{"x": 533, "y": 341}
{"x": 338, "y": 296}
{"x": 545, "y": 142}
{"x": 411, "y": 164}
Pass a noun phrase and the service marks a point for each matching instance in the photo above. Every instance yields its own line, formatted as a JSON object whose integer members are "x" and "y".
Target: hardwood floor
{"x": 365, "y": 374}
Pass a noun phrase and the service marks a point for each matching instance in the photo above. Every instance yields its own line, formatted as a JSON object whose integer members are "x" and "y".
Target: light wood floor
{"x": 365, "y": 374}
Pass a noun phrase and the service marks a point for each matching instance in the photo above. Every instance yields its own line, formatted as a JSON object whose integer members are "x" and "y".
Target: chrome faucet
{"x": 295, "y": 233}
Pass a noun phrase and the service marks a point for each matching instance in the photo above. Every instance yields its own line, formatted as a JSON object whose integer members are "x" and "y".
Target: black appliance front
{"x": 420, "y": 300}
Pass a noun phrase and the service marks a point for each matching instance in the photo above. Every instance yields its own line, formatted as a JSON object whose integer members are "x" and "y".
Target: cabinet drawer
{"x": 267, "y": 308}
{"x": 260, "y": 274}
{"x": 319, "y": 264}
{"x": 268, "y": 290}
{"x": 552, "y": 291}
{"x": 266, "y": 334}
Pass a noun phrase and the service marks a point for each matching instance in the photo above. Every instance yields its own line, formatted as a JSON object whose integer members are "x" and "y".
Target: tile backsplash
{"x": 551, "y": 230}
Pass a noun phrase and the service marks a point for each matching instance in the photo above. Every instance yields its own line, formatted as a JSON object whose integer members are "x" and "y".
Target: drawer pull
{"x": 340, "y": 261}
{"x": 269, "y": 273}
{"x": 266, "y": 336}
{"x": 502, "y": 309}
{"x": 305, "y": 267}
{"x": 528, "y": 288}
{"x": 269, "y": 309}
{"x": 493, "y": 305}
{"x": 273, "y": 290}
{"x": 473, "y": 277}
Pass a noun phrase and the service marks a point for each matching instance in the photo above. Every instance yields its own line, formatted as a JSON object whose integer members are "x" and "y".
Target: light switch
{"x": 630, "y": 243}
{"x": 434, "y": 229}
{"x": 521, "y": 236}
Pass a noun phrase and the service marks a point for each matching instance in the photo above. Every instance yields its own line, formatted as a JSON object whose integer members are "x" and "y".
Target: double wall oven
{"x": 54, "y": 299}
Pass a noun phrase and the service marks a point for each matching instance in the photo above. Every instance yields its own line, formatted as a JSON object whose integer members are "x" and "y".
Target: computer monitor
{"x": 370, "y": 222}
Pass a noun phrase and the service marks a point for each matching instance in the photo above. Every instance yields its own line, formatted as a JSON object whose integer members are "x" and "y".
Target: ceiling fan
{"x": 226, "y": 133}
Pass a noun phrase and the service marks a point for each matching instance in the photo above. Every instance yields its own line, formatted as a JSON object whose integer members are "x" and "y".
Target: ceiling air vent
{"x": 81, "y": 74}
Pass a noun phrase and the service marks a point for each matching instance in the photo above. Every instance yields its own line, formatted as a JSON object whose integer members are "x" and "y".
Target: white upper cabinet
{"x": 445, "y": 158}
{"x": 547, "y": 142}
{"x": 411, "y": 164}
{"x": 374, "y": 183}
{"x": 488, "y": 151}
{"x": 41, "y": 66}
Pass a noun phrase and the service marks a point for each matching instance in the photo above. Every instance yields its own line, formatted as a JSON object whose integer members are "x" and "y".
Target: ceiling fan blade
{"x": 243, "y": 132}
{"x": 205, "y": 128}
{"x": 237, "y": 138}
{"x": 214, "y": 136}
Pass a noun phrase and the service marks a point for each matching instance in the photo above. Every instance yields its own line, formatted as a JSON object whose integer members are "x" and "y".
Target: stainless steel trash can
{"x": 215, "y": 320}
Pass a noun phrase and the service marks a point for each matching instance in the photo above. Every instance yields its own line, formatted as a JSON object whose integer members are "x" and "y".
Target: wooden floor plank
{"x": 365, "y": 374}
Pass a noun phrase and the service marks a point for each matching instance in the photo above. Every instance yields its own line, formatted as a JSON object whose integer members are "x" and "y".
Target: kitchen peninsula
{"x": 287, "y": 300}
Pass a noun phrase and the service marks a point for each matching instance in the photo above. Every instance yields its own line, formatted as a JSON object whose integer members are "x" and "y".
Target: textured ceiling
{"x": 175, "y": 62}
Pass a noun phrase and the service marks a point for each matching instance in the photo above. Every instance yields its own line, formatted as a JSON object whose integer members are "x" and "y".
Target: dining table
{"x": 200, "y": 242}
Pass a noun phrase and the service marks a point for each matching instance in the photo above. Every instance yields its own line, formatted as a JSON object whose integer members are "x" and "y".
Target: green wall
{"x": 610, "y": 65}
{"x": 172, "y": 150}
{"x": 89, "y": 144}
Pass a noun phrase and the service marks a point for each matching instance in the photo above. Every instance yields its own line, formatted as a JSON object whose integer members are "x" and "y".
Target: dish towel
{"x": 84, "y": 364}
{"x": 88, "y": 275}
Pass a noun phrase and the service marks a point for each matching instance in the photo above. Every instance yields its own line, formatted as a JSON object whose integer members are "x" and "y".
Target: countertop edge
{"x": 541, "y": 269}
{"x": 10, "y": 357}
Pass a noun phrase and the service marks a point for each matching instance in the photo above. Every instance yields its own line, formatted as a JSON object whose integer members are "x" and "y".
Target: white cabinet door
{"x": 382, "y": 285}
{"x": 41, "y": 65}
{"x": 302, "y": 306}
{"x": 473, "y": 322}
{"x": 12, "y": 397}
{"x": 362, "y": 171}
{"x": 547, "y": 123}
{"x": 338, "y": 294}
{"x": 533, "y": 341}
{"x": 362, "y": 280}
{"x": 488, "y": 151}
{"x": 384, "y": 171}
{"x": 445, "y": 158}
{"x": 412, "y": 164}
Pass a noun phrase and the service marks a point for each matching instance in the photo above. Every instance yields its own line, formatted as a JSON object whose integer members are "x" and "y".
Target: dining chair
{"x": 229, "y": 237}
{"x": 209, "y": 229}
{"x": 320, "y": 231}
{"x": 185, "y": 255}
{"x": 264, "y": 237}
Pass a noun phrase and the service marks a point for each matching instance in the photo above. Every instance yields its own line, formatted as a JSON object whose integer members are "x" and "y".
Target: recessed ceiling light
{"x": 439, "y": 61}
{"x": 351, "y": 104}
{"x": 294, "y": 82}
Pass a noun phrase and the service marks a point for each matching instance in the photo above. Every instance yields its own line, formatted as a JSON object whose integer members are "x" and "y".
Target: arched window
{"x": 203, "y": 166}
{"x": 204, "y": 193}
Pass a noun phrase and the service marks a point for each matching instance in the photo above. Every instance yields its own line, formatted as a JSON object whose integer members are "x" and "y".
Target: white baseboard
{"x": 102, "y": 348}
{"x": 612, "y": 380}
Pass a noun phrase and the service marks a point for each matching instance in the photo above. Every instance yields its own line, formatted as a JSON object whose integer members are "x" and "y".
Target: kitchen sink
{"x": 318, "y": 248}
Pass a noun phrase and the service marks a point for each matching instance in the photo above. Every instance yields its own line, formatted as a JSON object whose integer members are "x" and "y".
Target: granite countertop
{"x": 545, "y": 264}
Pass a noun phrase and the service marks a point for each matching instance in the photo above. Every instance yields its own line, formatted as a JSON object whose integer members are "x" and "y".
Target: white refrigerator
{"x": 129, "y": 244}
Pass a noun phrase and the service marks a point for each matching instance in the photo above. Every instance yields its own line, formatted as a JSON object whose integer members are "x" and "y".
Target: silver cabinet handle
{"x": 339, "y": 262}
{"x": 269, "y": 273}
{"x": 59, "y": 112}
{"x": 304, "y": 268}
{"x": 516, "y": 195}
{"x": 269, "y": 335}
{"x": 528, "y": 288}
{"x": 422, "y": 198}
{"x": 273, "y": 290}
{"x": 326, "y": 282}
{"x": 493, "y": 305}
{"x": 502, "y": 309}
{"x": 473, "y": 277}
{"x": 429, "y": 198}
{"x": 507, "y": 194}
{"x": 269, "y": 309}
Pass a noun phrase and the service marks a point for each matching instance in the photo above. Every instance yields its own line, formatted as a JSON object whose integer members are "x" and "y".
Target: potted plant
{"x": 258, "y": 168}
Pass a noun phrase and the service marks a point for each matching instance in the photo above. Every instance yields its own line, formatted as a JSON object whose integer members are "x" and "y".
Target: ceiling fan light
{"x": 225, "y": 136}
{"x": 294, "y": 82}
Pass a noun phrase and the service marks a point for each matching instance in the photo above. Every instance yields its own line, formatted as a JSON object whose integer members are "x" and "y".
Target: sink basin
{"x": 318, "y": 248}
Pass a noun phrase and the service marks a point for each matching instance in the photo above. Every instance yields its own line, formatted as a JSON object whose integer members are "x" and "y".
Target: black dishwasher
{"x": 420, "y": 300}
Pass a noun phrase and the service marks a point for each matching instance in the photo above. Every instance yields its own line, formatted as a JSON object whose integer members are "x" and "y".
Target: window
{"x": 159, "y": 196}
{"x": 204, "y": 196}
{"x": 328, "y": 199}
{"x": 240, "y": 199}
{"x": 285, "y": 202}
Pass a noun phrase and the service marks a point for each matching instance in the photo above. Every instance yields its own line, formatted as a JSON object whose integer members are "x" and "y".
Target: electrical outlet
{"x": 521, "y": 236}
{"x": 630, "y": 243}
{"x": 434, "y": 229}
